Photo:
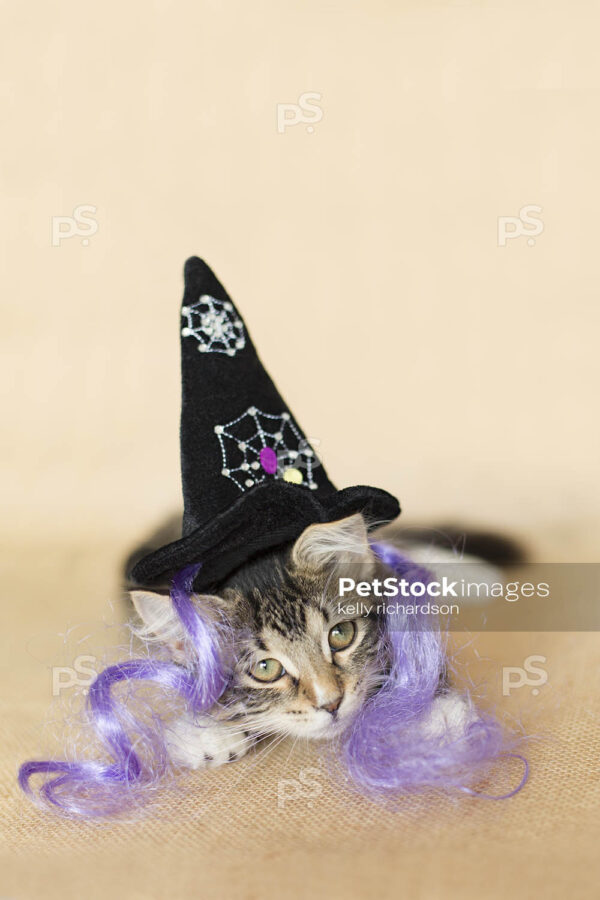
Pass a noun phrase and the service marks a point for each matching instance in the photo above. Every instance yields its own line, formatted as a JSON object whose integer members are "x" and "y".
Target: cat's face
{"x": 302, "y": 668}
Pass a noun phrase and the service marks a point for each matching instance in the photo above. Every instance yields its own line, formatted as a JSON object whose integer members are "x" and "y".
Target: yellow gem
{"x": 293, "y": 475}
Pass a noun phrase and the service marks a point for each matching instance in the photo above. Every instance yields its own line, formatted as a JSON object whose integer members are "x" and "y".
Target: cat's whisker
{"x": 292, "y": 748}
{"x": 259, "y": 756}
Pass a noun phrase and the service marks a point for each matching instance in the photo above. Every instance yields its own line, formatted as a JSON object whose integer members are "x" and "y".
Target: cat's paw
{"x": 450, "y": 716}
{"x": 205, "y": 743}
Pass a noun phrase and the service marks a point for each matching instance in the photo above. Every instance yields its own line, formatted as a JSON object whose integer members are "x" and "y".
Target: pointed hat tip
{"x": 193, "y": 265}
{"x": 199, "y": 278}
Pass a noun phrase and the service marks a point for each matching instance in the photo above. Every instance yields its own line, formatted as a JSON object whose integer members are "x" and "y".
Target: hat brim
{"x": 266, "y": 517}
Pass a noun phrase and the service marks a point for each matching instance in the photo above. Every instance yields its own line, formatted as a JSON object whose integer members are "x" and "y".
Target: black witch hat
{"x": 251, "y": 480}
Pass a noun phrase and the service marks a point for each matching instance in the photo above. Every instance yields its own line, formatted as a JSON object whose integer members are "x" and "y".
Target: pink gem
{"x": 268, "y": 460}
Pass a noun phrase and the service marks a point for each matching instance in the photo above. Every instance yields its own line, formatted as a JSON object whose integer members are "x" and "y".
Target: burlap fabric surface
{"x": 278, "y": 823}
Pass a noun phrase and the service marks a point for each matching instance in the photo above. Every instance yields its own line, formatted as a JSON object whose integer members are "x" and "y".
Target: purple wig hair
{"x": 384, "y": 751}
{"x": 137, "y": 759}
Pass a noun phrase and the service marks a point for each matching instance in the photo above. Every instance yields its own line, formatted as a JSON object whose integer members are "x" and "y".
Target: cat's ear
{"x": 160, "y": 622}
{"x": 341, "y": 545}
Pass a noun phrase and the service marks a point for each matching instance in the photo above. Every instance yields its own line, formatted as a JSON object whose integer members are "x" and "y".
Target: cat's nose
{"x": 333, "y": 705}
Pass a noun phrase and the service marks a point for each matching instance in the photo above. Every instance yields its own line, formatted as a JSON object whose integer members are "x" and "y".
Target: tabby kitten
{"x": 302, "y": 668}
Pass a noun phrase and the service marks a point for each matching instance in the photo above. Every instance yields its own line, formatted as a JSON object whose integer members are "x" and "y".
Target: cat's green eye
{"x": 268, "y": 670}
{"x": 342, "y": 635}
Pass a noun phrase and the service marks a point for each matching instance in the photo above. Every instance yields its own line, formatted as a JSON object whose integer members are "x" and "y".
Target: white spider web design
{"x": 215, "y": 325}
{"x": 243, "y": 439}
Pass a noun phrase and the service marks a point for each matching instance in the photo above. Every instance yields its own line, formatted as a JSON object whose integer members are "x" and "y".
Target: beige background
{"x": 424, "y": 357}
